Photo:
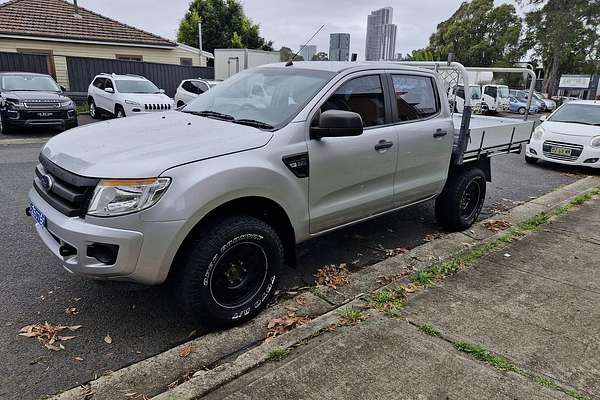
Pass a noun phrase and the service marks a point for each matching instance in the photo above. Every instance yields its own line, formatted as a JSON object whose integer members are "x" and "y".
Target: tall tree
{"x": 320, "y": 56}
{"x": 286, "y": 54}
{"x": 564, "y": 35}
{"x": 479, "y": 34}
{"x": 224, "y": 25}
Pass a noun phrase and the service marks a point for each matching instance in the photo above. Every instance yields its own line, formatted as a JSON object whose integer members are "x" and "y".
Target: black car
{"x": 33, "y": 100}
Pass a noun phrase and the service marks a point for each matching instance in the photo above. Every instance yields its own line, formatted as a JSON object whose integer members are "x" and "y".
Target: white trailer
{"x": 229, "y": 62}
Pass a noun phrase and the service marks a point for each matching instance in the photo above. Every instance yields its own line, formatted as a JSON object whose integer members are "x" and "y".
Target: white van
{"x": 496, "y": 98}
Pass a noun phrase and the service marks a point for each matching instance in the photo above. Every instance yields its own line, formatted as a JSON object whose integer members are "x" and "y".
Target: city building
{"x": 308, "y": 52}
{"x": 339, "y": 47}
{"x": 381, "y": 35}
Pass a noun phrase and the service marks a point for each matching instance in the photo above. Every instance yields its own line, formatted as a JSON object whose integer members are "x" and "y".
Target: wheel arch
{"x": 484, "y": 164}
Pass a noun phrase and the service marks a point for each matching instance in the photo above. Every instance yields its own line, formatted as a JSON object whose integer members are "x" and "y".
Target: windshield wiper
{"x": 575, "y": 122}
{"x": 254, "y": 123}
{"x": 211, "y": 114}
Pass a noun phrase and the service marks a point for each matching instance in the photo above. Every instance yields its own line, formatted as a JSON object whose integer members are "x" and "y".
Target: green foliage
{"x": 421, "y": 55}
{"x": 320, "y": 56}
{"x": 479, "y": 34}
{"x": 224, "y": 25}
{"x": 286, "y": 54}
{"x": 564, "y": 36}
{"x": 350, "y": 315}
{"x": 483, "y": 355}
{"x": 278, "y": 354}
{"x": 429, "y": 330}
{"x": 390, "y": 300}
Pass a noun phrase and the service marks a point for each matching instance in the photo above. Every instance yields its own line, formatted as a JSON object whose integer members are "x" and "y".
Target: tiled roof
{"x": 59, "y": 19}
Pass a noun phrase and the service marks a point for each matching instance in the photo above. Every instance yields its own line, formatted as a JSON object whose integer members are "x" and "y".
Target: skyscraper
{"x": 381, "y": 35}
{"x": 308, "y": 52}
{"x": 339, "y": 47}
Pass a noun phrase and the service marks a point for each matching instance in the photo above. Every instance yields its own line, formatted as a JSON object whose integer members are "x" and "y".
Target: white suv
{"x": 125, "y": 95}
{"x": 189, "y": 89}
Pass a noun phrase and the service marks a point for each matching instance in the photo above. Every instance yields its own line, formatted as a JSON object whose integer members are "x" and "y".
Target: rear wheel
{"x": 461, "y": 201}
{"x": 229, "y": 272}
{"x": 522, "y": 110}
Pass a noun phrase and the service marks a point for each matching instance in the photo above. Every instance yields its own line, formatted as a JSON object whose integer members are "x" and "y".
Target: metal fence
{"x": 166, "y": 76}
{"x": 17, "y": 62}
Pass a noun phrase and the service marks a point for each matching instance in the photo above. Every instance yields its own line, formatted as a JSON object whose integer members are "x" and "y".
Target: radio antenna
{"x": 291, "y": 62}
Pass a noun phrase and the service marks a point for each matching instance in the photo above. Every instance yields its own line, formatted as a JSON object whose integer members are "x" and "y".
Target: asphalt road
{"x": 144, "y": 321}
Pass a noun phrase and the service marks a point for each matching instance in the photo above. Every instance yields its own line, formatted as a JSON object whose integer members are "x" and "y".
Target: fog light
{"x": 532, "y": 151}
{"x": 105, "y": 253}
{"x": 66, "y": 250}
{"x": 13, "y": 114}
{"x": 71, "y": 114}
{"x": 591, "y": 161}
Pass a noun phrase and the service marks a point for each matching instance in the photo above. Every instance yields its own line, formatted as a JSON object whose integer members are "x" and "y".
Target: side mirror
{"x": 62, "y": 88}
{"x": 336, "y": 123}
{"x": 109, "y": 90}
{"x": 162, "y": 91}
{"x": 543, "y": 118}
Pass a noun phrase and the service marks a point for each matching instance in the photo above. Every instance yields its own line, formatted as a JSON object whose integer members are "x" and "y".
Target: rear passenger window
{"x": 415, "y": 97}
{"x": 363, "y": 96}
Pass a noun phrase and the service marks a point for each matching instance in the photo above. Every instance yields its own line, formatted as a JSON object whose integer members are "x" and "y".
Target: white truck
{"x": 216, "y": 196}
{"x": 496, "y": 98}
{"x": 456, "y": 97}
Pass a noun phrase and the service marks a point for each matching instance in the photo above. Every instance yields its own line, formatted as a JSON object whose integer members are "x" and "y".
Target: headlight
{"x": 595, "y": 142}
{"x": 68, "y": 103}
{"x": 123, "y": 196}
{"x": 538, "y": 134}
{"x": 13, "y": 103}
{"x": 132, "y": 103}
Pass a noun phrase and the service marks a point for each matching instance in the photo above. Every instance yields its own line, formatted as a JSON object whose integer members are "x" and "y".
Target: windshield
{"x": 577, "y": 114}
{"x": 29, "y": 83}
{"x": 269, "y": 95}
{"x": 136, "y": 86}
{"x": 475, "y": 93}
{"x": 503, "y": 92}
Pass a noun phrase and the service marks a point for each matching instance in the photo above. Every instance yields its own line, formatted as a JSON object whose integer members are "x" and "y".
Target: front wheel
{"x": 522, "y": 110}
{"x": 229, "y": 272}
{"x": 461, "y": 201}
{"x": 119, "y": 112}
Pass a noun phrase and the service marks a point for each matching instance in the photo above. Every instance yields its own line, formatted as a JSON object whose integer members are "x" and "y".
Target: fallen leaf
{"x": 47, "y": 334}
{"x": 395, "y": 252}
{"x": 279, "y": 326}
{"x": 186, "y": 350}
{"x": 108, "y": 339}
{"x": 496, "y": 226}
{"x": 72, "y": 311}
{"x": 65, "y": 338}
{"x": 78, "y": 359}
{"x": 332, "y": 275}
{"x": 301, "y": 300}
{"x": 433, "y": 236}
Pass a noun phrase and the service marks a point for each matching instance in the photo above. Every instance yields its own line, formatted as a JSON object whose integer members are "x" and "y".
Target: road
{"x": 144, "y": 321}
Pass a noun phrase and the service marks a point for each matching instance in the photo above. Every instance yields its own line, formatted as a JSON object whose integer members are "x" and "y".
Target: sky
{"x": 292, "y": 22}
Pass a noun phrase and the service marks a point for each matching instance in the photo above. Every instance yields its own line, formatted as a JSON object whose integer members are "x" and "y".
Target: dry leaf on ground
{"x": 332, "y": 275}
{"x": 387, "y": 279}
{"x": 395, "y": 252}
{"x": 47, "y": 334}
{"x": 186, "y": 350}
{"x": 72, "y": 311}
{"x": 279, "y": 326}
{"x": 433, "y": 236}
{"x": 108, "y": 339}
{"x": 496, "y": 226}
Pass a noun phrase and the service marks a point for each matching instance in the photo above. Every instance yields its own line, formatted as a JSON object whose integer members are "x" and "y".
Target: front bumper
{"x": 535, "y": 149}
{"x": 24, "y": 118}
{"x": 144, "y": 253}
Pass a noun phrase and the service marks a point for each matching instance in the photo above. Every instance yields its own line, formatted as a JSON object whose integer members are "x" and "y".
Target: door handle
{"x": 383, "y": 145}
{"x": 440, "y": 133}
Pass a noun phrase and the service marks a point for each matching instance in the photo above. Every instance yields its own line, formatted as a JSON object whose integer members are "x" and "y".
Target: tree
{"x": 286, "y": 54}
{"x": 224, "y": 25}
{"x": 320, "y": 56}
{"x": 564, "y": 35}
{"x": 479, "y": 34}
{"x": 421, "y": 55}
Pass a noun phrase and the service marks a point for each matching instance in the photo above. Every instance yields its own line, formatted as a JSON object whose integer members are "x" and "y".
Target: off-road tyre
{"x": 206, "y": 272}
{"x": 460, "y": 203}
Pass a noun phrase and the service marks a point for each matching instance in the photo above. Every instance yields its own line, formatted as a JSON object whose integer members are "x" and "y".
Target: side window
{"x": 99, "y": 83}
{"x": 363, "y": 96}
{"x": 108, "y": 84}
{"x": 188, "y": 87}
{"x": 491, "y": 91}
{"x": 460, "y": 92}
{"x": 416, "y": 97}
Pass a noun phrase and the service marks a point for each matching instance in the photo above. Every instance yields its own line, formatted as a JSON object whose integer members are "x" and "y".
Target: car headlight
{"x": 14, "y": 103}
{"x": 123, "y": 196}
{"x": 132, "y": 103}
{"x": 538, "y": 134}
{"x": 68, "y": 103}
{"x": 595, "y": 142}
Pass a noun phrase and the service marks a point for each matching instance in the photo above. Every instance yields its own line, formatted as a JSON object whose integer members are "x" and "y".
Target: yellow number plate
{"x": 560, "y": 151}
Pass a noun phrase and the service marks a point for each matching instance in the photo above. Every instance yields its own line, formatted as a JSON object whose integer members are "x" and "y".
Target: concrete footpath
{"x": 522, "y": 323}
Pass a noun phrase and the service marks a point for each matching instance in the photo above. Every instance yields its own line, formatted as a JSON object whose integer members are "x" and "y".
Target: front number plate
{"x": 38, "y": 216}
{"x": 560, "y": 151}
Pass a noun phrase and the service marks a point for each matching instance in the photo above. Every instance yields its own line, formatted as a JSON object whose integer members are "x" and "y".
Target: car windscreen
{"x": 475, "y": 93}
{"x": 28, "y": 83}
{"x": 269, "y": 95}
{"x": 503, "y": 92}
{"x": 577, "y": 114}
{"x": 136, "y": 86}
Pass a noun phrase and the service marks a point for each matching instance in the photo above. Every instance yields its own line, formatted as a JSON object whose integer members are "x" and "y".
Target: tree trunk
{"x": 552, "y": 77}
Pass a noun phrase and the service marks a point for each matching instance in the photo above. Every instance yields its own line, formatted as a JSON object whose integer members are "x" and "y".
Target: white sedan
{"x": 570, "y": 135}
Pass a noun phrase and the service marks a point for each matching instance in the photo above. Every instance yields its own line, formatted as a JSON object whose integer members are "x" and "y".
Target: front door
{"x": 352, "y": 178}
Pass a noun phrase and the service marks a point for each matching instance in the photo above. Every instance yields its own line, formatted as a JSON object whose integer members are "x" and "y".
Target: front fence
{"x": 17, "y": 62}
{"x": 166, "y": 76}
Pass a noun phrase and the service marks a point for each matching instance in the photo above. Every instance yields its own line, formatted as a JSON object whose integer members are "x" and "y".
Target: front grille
{"x": 42, "y": 105}
{"x": 68, "y": 193}
{"x": 157, "y": 107}
{"x": 576, "y": 150}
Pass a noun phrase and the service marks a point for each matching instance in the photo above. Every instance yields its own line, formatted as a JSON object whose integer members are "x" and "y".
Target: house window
{"x": 129, "y": 57}
{"x": 187, "y": 62}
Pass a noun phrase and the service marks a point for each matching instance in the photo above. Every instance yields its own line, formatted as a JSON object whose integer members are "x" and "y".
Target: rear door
{"x": 352, "y": 178}
{"x": 107, "y": 100}
{"x": 425, "y": 136}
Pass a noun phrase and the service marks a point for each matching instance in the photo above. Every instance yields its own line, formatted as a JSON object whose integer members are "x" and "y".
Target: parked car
{"x": 550, "y": 104}
{"x": 570, "y": 135}
{"x": 189, "y": 89}
{"x": 524, "y": 95}
{"x": 33, "y": 100}
{"x": 217, "y": 195}
{"x": 457, "y": 96}
{"x": 519, "y": 105}
{"x": 496, "y": 98}
{"x": 125, "y": 95}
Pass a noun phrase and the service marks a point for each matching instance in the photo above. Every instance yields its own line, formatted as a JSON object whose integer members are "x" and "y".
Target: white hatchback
{"x": 125, "y": 95}
{"x": 570, "y": 135}
{"x": 189, "y": 89}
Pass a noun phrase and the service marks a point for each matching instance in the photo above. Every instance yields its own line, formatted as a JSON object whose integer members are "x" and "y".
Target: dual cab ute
{"x": 216, "y": 196}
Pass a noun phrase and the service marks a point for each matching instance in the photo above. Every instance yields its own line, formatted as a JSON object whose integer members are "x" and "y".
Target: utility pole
{"x": 200, "y": 40}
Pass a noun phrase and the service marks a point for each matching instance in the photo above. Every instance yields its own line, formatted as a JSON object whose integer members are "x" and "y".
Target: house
{"x": 61, "y": 29}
